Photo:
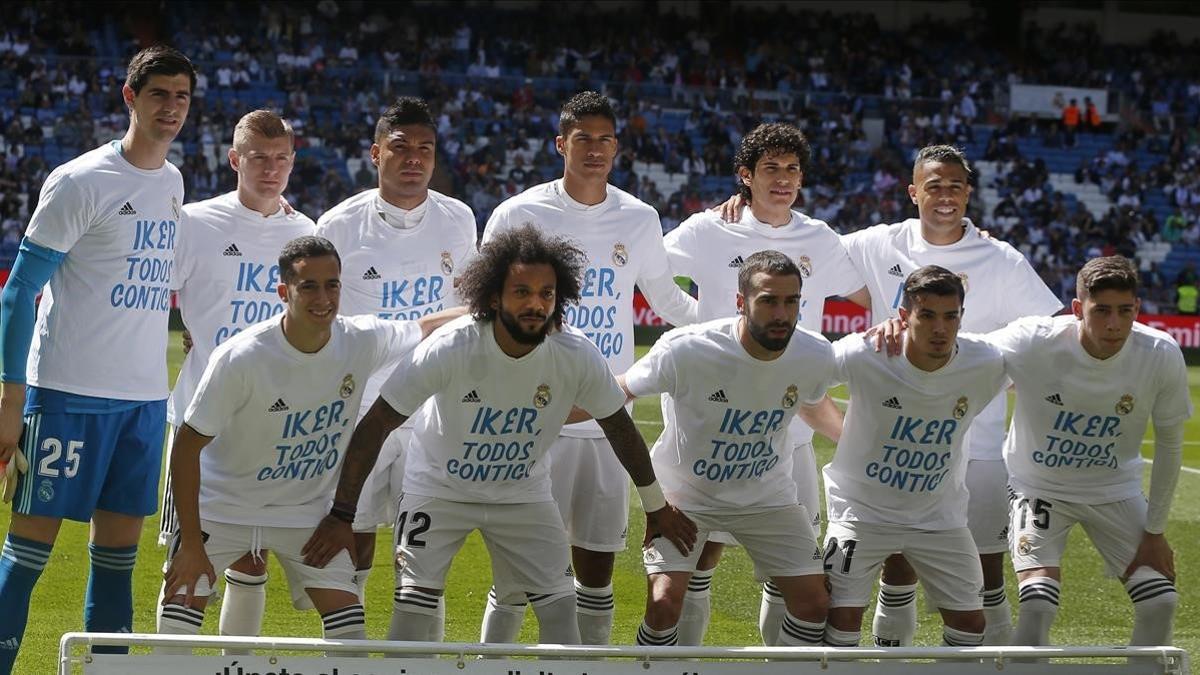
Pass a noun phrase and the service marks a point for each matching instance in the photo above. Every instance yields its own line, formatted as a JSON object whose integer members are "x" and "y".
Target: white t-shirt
{"x": 622, "y": 237}
{"x": 709, "y": 251}
{"x": 398, "y": 272}
{"x": 282, "y": 419}
{"x": 226, "y": 275}
{"x": 900, "y": 460}
{"x": 102, "y": 323}
{"x": 486, "y": 418}
{"x": 725, "y": 444}
{"x": 1079, "y": 421}
{"x": 1001, "y": 287}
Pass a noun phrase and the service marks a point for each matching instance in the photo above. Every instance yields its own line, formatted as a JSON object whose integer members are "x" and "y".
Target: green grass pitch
{"x": 1095, "y": 609}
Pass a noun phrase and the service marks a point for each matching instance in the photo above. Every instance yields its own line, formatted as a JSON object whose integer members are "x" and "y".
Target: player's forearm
{"x": 432, "y": 322}
{"x": 669, "y": 301}
{"x": 18, "y": 307}
{"x": 363, "y": 450}
{"x": 629, "y": 447}
{"x": 185, "y": 482}
{"x": 825, "y": 418}
{"x": 1164, "y": 476}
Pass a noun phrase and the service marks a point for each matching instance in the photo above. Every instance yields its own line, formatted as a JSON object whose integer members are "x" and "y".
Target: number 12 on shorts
{"x": 420, "y": 523}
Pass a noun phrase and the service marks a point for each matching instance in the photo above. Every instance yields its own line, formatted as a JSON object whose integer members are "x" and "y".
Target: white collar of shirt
{"x": 401, "y": 219}
{"x": 577, "y": 205}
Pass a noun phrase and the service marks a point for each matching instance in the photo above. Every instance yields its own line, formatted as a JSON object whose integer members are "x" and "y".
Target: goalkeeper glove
{"x": 13, "y": 469}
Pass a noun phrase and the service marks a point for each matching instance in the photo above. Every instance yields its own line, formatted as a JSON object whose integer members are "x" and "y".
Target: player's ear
{"x": 560, "y": 144}
{"x": 741, "y": 303}
{"x": 1077, "y": 308}
{"x": 912, "y": 193}
{"x": 282, "y": 290}
{"x": 903, "y": 312}
{"x": 745, "y": 176}
{"x": 233, "y": 159}
{"x": 375, "y": 154}
{"x": 128, "y": 95}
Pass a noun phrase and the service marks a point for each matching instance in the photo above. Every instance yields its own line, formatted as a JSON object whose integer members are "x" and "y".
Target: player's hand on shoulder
{"x": 287, "y": 208}
{"x": 888, "y": 335}
{"x": 1154, "y": 552}
{"x": 332, "y": 535}
{"x": 674, "y": 525}
{"x": 188, "y": 564}
{"x": 731, "y": 209}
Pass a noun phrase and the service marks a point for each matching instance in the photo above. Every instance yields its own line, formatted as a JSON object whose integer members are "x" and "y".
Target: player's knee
{"x": 251, "y": 565}
{"x": 663, "y": 611}
{"x": 897, "y": 571}
{"x": 710, "y": 555}
{"x": 593, "y": 568}
{"x": 846, "y": 618}
{"x": 968, "y": 622}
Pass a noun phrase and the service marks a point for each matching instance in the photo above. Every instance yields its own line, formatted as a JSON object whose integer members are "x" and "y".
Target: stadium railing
{"x": 278, "y": 656}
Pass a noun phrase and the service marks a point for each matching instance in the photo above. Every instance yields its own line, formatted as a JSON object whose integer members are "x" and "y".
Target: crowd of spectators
{"x": 688, "y": 89}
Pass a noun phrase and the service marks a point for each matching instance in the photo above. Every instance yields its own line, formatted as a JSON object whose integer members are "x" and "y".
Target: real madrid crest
{"x": 805, "y": 265}
{"x": 447, "y": 263}
{"x": 620, "y": 256}
{"x": 963, "y": 277}
{"x": 175, "y": 206}
{"x": 960, "y": 408}
{"x": 541, "y": 397}
{"x": 791, "y": 396}
{"x": 1125, "y": 405}
{"x": 347, "y": 388}
{"x": 1024, "y": 546}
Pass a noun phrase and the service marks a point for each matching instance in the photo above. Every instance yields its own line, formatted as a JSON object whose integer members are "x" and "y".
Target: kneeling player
{"x": 1087, "y": 385}
{"x": 273, "y": 410}
{"x": 725, "y": 458}
{"x": 488, "y": 394}
{"x": 896, "y": 483}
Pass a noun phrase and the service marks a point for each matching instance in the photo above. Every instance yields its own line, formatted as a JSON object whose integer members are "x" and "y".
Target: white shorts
{"x": 592, "y": 491}
{"x": 167, "y": 521}
{"x": 377, "y": 501}
{"x": 808, "y": 491}
{"x": 779, "y": 541}
{"x": 946, "y": 562}
{"x": 225, "y": 543}
{"x": 987, "y": 505}
{"x": 527, "y": 543}
{"x": 1040, "y": 526}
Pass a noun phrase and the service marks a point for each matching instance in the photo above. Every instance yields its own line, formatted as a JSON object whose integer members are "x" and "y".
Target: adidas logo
{"x": 1055, "y": 399}
{"x": 736, "y": 262}
{"x": 472, "y": 397}
{"x": 11, "y": 643}
{"x": 894, "y": 403}
{"x": 278, "y": 406}
{"x": 371, "y": 274}
{"x": 718, "y": 396}
{"x": 895, "y": 270}
{"x": 232, "y": 250}
{"x": 127, "y": 210}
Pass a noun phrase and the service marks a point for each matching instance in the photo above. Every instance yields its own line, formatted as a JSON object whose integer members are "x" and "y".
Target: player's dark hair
{"x": 581, "y": 105}
{"x": 158, "y": 60}
{"x": 942, "y": 154}
{"x": 932, "y": 280}
{"x": 304, "y": 247}
{"x": 768, "y": 140}
{"x": 482, "y": 282}
{"x": 402, "y": 112}
{"x": 1110, "y": 273}
{"x": 771, "y": 262}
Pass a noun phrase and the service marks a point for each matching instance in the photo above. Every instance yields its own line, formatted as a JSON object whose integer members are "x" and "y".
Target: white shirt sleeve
{"x": 655, "y": 372}
{"x": 830, "y": 367}
{"x": 599, "y": 394}
{"x": 1164, "y": 475}
{"x": 421, "y": 373}
{"x": 185, "y": 265}
{"x": 841, "y": 352}
{"x": 849, "y": 280}
{"x": 63, "y": 215}
{"x": 396, "y": 339}
{"x": 1025, "y": 294}
{"x": 669, "y": 301}
{"x": 221, "y": 392}
{"x": 1173, "y": 403}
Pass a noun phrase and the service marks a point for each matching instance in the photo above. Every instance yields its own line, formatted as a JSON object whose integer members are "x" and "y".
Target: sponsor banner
{"x": 1185, "y": 328}
{"x": 643, "y": 315}
{"x": 1041, "y": 100}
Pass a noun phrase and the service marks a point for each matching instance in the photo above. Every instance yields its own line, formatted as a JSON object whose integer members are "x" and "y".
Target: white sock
{"x": 243, "y": 607}
{"x": 594, "y": 607}
{"x": 176, "y": 619}
{"x": 360, "y": 580}
{"x": 657, "y": 638}
{"x": 1154, "y": 603}
{"x": 437, "y": 631}
{"x": 800, "y": 633}
{"x": 998, "y": 614}
{"x": 952, "y": 637}
{"x": 347, "y": 623}
{"x": 895, "y": 621}
{"x": 697, "y": 606}
{"x": 841, "y": 638}
{"x": 770, "y": 614}
{"x": 1038, "y": 605}
{"x": 556, "y": 619}
{"x": 501, "y": 620}
{"x": 413, "y": 612}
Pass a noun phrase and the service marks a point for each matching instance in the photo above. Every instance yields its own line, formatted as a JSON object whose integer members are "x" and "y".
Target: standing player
{"x": 94, "y": 393}
{"x": 490, "y": 394}
{"x": 770, "y": 168}
{"x": 622, "y": 238}
{"x": 725, "y": 458}
{"x": 227, "y": 276}
{"x": 1087, "y": 385}
{"x": 273, "y": 412}
{"x": 401, "y": 245}
{"x": 896, "y": 483}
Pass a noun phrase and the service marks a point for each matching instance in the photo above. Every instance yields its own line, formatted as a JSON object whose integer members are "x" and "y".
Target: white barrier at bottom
{"x": 428, "y": 658}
